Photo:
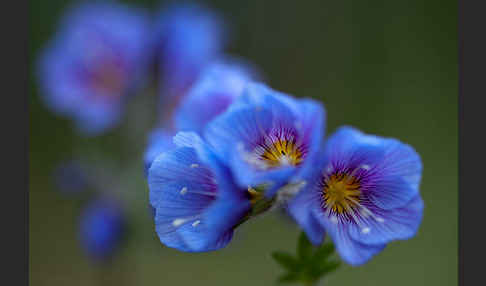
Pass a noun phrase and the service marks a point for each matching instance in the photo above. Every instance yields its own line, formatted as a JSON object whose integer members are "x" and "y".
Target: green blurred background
{"x": 386, "y": 67}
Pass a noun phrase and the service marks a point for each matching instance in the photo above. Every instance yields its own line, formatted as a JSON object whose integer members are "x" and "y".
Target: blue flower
{"x": 160, "y": 140}
{"x": 197, "y": 205}
{"x": 188, "y": 37}
{"x": 97, "y": 58}
{"x": 363, "y": 192}
{"x": 218, "y": 86}
{"x": 267, "y": 137}
{"x": 101, "y": 228}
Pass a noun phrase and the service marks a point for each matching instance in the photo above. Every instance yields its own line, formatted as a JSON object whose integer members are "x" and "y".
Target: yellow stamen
{"x": 282, "y": 152}
{"x": 341, "y": 193}
{"x": 254, "y": 195}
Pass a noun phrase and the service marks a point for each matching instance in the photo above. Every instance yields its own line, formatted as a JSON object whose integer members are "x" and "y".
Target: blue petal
{"x": 218, "y": 86}
{"x": 190, "y": 214}
{"x": 169, "y": 174}
{"x": 196, "y": 238}
{"x": 96, "y": 118}
{"x": 351, "y": 251}
{"x": 387, "y": 192}
{"x": 394, "y": 168}
{"x": 348, "y": 148}
{"x": 159, "y": 141}
{"x": 238, "y": 126}
{"x": 403, "y": 161}
{"x": 387, "y": 225}
{"x": 259, "y": 96}
{"x": 101, "y": 228}
{"x": 300, "y": 208}
{"x": 312, "y": 121}
{"x": 232, "y": 202}
{"x": 188, "y": 38}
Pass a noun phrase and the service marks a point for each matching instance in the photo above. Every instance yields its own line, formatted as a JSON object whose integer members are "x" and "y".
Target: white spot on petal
{"x": 365, "y": 230}
{"x": 194, "y": 224}
{"x": 365, "y": 167}
{"x": 183, "y": 191}
{"x": 194, "y": 165}
{"x": 178, "y": 221}
{"x": 365, "y": 214}
{"x": 379, "y": 219}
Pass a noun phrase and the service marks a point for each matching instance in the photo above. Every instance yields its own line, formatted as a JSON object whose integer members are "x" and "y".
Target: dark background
{"x": 386, "y": 67}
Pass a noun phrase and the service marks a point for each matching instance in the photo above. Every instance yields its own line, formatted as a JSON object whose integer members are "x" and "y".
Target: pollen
{"x": 341, "y": 194}
{"x": 282, "y": 153}
{"x": 254, "y": 195}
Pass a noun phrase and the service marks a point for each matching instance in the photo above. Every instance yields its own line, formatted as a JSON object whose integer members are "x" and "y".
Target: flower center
{"x": 282, "y": 153}
{"x": 341, "y": 193}
{"x": 109, "y": 78}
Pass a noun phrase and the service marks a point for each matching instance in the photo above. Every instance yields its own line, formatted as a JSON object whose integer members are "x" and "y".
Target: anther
{"x": 194, "y": 224}
{"x": 194, "y": 165}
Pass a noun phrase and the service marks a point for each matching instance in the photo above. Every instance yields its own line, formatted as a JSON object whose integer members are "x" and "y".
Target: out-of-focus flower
{"x": 218, "y": 86}
{"x": 267, "y": 137}
{"x": 188, "y": 37}
{"x": 197, "y": 205}
{"x": 101, "y": 229}
{"x": 160, "y": 140}
{"x": 99, "y": 55}
{"x": 70, "y": 177}
{"x": 364, "y": 192}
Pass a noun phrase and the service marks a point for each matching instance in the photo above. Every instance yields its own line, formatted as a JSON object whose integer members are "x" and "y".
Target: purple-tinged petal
{"x": 159, "y": 141}
{"x": 300, "y": 208}
{"x": 386, "y": 225}
{"x": 188, "y": 37}
{"x": 351, "y": 251}
{"x": 194, "y": 197}
{"x": 218, "y": 86}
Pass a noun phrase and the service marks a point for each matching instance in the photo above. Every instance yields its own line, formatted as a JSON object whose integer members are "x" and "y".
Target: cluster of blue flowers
{"x": 106, "y": 52}
{"x": 362, "y": 190}
{"x": 229, "y": 147}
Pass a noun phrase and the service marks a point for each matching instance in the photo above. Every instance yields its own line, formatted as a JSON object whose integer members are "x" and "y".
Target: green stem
{"x": 258, "y": 208}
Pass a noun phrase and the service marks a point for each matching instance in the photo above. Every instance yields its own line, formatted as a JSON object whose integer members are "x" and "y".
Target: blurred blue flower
{"x": 98, "y": 56}
{"x": 160, "y": 140}
{"x": 218, "y": 86}
{"x": 197, "y": 206}
{"x": 267, "y": 137}
{"x": 188, "y": 37}
{"x": 70, "y": 177}
{"x": 101, "y": 229}
{"x": 364, "y": 192}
